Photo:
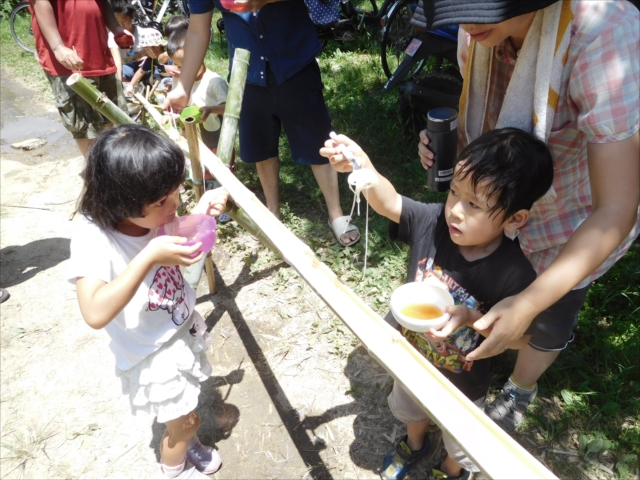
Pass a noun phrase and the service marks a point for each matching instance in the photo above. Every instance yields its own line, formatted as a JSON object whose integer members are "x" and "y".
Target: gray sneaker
{"x": 510, "y": 406}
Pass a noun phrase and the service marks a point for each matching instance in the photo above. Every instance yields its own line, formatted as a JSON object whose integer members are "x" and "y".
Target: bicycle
{"x": 150, "y": 13}
{"x": 352, "y": 20}
{"x": 20, "y": 26}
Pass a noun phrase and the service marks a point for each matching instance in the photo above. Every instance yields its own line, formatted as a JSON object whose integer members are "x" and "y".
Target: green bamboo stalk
{"x": 233, "y": 106}
{"x": 98, "y": 100}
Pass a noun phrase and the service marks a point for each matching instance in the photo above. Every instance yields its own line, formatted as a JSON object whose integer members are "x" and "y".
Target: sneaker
{"x": 224, "y": 218}
{"x": 206, "y": 459}
{"x": 510, "y": 406}
{"x": 440, "y": 475}
{"x": 397, "y": 463}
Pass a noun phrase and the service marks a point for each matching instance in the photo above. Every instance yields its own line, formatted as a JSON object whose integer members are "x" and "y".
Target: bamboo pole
{"x": 191, "y": 128}
{"x": 98, "y": 100}
{"x": 233, "y": 106}
{"x": 491, "y": 449}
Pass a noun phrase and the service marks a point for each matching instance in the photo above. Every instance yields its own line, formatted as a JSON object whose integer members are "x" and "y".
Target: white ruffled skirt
{"x": 166, "y": 384}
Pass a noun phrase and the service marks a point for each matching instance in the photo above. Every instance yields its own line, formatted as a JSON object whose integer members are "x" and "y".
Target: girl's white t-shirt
{"x": 210, "y": 90}
{"x": 161, "y": 305}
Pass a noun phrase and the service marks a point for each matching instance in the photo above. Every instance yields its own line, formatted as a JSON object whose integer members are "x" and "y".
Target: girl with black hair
{"x": 128, "y": 282}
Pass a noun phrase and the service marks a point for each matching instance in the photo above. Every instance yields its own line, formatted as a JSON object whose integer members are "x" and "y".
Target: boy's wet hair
{"x": 176, "y": 41}
{"x": 175, "y": 23}
{"x": 123, "y": 6}
{"x": 128, "y": 167}
{"x": 514, "y": 167}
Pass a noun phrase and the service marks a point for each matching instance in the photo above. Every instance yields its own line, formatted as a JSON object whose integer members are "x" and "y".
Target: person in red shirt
{"x": 71, "y": 36}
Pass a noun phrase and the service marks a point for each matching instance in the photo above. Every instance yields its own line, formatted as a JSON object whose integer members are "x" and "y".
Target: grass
{"x": 589, "y": 399}
{"x": 22, "y": 65}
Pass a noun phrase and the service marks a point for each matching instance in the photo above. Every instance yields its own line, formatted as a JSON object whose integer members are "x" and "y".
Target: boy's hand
{"x": 211, "y": 109}
{"x": 212, "y": 203}
{"x": 172, "y": 70}
{"x": 460, "y": 316}
{"x": 167, "y": 251}
{"x": 338, "y": 161}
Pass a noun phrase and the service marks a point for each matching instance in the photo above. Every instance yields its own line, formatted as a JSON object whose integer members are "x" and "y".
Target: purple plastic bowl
{"x": 196, "y": 228}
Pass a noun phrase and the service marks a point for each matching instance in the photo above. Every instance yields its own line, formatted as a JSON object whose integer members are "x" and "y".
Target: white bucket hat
{"x": 150, "y": 37}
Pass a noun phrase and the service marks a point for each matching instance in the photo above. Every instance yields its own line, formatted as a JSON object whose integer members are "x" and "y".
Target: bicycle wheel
{"x": 20, "y": 25}
{"x": 183, "y": 6}
{"x": 396, "y": 36}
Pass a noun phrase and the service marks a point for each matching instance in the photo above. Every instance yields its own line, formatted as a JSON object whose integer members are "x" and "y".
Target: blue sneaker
{"x": 397, "y": 463}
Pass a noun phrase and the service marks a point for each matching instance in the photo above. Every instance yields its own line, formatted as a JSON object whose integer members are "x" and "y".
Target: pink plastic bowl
{"x": 196, "y": 228}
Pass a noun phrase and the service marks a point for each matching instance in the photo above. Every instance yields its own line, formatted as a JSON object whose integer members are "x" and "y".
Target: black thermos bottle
{"x": 443, "y": 140}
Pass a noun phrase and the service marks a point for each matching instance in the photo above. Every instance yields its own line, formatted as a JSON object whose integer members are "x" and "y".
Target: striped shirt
{"x": 599, "y": 103}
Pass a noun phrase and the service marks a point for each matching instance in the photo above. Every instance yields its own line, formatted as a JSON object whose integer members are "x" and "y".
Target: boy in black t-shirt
{"x": 463, "y": 245}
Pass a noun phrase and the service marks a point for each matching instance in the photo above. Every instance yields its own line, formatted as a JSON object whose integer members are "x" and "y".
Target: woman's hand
{"x": 212, "y": 203}
{"x": 166, "y": 251}
{"x": 426, "y": 155}
{"x": 338, "y": 160}
{"x": 508, "y": 321}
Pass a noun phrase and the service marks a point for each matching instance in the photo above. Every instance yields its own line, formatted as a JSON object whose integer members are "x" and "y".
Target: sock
{"x": 173, "y": 472}
{"x": 522, "y": 387}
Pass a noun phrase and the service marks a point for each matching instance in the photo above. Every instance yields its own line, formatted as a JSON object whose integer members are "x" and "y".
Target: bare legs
{"x": 325, "y": 175}
{"x": 416, "y": 433}
{"x": 415, "y": 439}
{"x": 269, "y": 174}
{"x": 84, "y": 144}
{"x": 175, "y": 442}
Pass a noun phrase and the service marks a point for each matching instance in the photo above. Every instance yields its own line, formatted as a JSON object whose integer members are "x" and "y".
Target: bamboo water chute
{"x": 191, "y": 129}
{"x": 491, "y": 449}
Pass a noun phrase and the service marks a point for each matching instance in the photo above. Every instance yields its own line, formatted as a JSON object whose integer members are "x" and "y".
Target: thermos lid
{"x": 442, "y": 119}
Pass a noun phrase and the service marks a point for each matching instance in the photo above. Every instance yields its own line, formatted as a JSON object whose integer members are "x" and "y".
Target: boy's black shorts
{"x": 552, "y": 330}
{"x": 297, "y": 105}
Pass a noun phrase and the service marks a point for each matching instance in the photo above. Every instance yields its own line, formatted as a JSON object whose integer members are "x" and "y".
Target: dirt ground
{"x": 292, "y": 395}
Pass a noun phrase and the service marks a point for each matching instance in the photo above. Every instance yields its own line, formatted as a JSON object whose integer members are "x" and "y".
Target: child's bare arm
{"x": 100, "y": 301}
{"x": 213, "y": 202}
{"x": 212, "y": 109}
{"x": 137, "y": 77}
{"x": 383, "y": 198}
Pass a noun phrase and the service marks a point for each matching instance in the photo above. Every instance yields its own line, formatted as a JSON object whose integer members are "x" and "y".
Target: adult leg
{"x": 269, "y": 174}
{"x": 327, "y": 179}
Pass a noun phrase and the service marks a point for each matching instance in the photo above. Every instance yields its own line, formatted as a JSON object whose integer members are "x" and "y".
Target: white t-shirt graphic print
{"x": 158, "y": 309}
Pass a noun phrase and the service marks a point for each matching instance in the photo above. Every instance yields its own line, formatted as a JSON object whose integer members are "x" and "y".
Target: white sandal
{"x": 342, "y": 225}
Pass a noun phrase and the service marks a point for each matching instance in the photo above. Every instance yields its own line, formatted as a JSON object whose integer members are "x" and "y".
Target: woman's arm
{"x": 614, "y": 172}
